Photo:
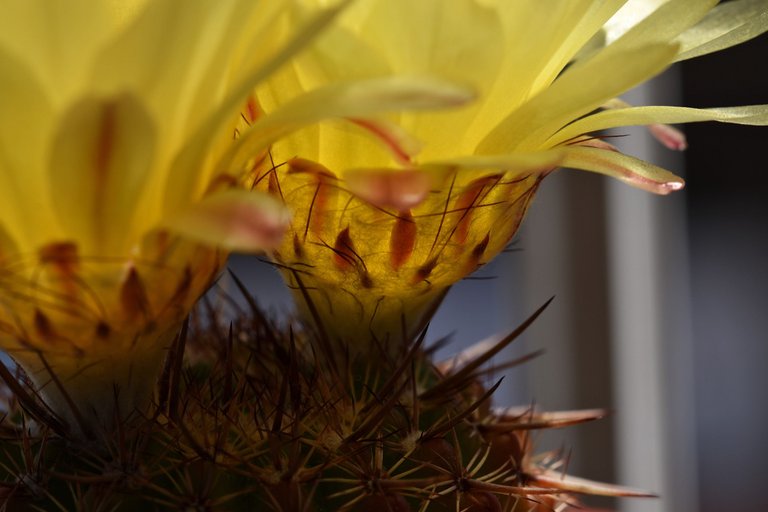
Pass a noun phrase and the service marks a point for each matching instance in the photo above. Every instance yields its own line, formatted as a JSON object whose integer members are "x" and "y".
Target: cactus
{"x": 259, "y": 417}
{"x": 128, "y": 172}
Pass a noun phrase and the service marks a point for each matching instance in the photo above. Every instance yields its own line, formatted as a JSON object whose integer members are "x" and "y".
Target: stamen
{"x": 252, "y": 111}
{"x": 468, "y": 200}
{"x": 402, "y": 145}
{"x": 316, "y": 218}
{"x": 133, "y": 296}
{"x": 402, "y": 240}
{"x": 477, "y": 253}
{"x": 344, "y": 255}
{"x": 62, "y": 255}
{"x": 43, "y": 326}
{"x": 424, "y": 271}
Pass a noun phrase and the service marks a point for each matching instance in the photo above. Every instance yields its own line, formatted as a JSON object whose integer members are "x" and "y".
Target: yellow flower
{"x": 390, "y": 211}
{"x": 113, "y": 116}
{"x": 122, "y": 148}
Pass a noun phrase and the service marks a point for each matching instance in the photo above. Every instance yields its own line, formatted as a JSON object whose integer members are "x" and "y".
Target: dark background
{"x": 728, "y": 219}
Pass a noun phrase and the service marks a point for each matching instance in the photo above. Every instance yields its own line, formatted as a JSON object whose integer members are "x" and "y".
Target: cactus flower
{"x": 389, "y": 211}
{"x": 114, "y": 115}
{"x": 122, "y": 148}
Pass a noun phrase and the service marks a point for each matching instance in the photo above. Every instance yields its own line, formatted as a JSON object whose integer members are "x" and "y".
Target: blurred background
{"x": 661, "y": 309}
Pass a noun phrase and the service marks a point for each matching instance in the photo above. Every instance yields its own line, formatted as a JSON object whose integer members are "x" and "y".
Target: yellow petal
{"x": 177, "y": 57}
{"x": 400, "y": 190}
{"x": 630, "y": 14}
{"x": 578, "y": 91}
{"x": 756, "y": 115}
{"x": 233, "y": 219}
{"x": 506, "y": 72}
{"x": 99, "y": 163}
{"x": 668, "y": 135}
{"x": 662, "y": 25}
{"x": 633, "y": 171}
{"x": 573, "y": 23}
{"x": 400, "y": 143}
{"x": 516, "y": 164}
{"x": 188, "y": 179}
{"x": 8, "y": 247}
{"x": 601, "y": 158}
{"x": 726, "y": 25}
{"x": 438, "y": 40}
{"x": 58, "y": 38}
{"x": 350, "y": 99}
{"x": 24, "y": 128}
